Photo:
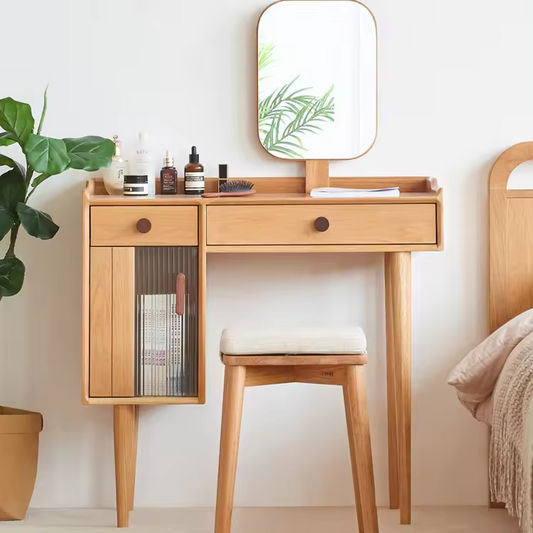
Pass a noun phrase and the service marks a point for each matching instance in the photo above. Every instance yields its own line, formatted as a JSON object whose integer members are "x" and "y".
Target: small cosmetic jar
{"x": 135, "y": 185}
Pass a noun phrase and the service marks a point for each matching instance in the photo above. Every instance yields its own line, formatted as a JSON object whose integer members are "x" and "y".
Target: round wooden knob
{"x": 144, "y": 225}
{"x": 321, "y": 224}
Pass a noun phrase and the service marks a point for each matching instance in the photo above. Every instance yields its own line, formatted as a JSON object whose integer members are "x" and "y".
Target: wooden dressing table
{"x": 281, "y": 217}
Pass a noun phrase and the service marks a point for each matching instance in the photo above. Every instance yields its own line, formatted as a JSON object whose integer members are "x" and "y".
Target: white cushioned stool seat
{"x": 349, "y": 340}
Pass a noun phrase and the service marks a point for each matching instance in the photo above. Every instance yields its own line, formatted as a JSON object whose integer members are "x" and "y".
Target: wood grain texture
{"x": 170, "y": 225}
{"x": 262, "y": 199}
{"x": 316, "y": 174}
{"x": 321, "y": 248}
{"x": 282, "y": 225}
{"x": 400, "y": 274}
{"x": 440, "y": 220}
{"x": 123, "y": 322}
{"x": 202, "y": 281}
{"x": 519, "y": 256}
{"x": 321, "y": 375}
{"x": 268, "y": 375}
{"x": 101, "y": 322}
{"x": 133, "y": 463}
{"x": 392, "y": 425}
{"x": 508, "y": 219}
{"x": 407, "y": 184}
{"x": 124, "y": 423}
{"x": 234, "y": 380}
{"x": 357, "y": 412}
{"x": 353, "y": 462}
{"x": 293, "y": 360}
{"x": 85, "y": 289}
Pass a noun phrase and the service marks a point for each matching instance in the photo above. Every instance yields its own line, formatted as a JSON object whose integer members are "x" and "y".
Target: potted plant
{"x": 44, "y": 157}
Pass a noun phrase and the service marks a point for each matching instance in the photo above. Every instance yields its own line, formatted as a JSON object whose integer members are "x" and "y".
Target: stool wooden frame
{"x": 254, "y": 370}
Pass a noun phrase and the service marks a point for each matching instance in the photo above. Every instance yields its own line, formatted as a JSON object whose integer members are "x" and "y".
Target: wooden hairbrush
{"x": 232, "y": 188}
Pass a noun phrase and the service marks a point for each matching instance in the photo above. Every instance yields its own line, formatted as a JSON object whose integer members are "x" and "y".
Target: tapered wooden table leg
{"x": 392, "y": 425}
{"x": 400, "y": 274}
{"x": 234, "y": 379}
{"x": 353, "y": 451}
{"x": 133, "y": 465}
{"x": 124, "y": 423}
{"x": 357, "y": 413}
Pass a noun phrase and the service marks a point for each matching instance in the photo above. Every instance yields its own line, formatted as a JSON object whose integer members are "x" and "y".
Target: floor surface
{"x": 265, "y": 520}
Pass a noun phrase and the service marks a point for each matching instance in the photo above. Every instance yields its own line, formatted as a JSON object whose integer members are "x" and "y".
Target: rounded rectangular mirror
{"x": 317, "y": 87}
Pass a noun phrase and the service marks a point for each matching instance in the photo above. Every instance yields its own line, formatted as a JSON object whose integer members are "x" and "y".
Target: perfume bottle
{"x": 114, "y": 173}
{"x": 169, "y": 176}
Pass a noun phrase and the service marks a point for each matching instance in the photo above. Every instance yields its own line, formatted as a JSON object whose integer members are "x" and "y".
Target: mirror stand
{"x": 316, "y": 174}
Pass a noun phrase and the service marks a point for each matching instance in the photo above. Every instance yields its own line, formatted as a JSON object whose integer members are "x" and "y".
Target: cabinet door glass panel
{"x": 166, "y": 333}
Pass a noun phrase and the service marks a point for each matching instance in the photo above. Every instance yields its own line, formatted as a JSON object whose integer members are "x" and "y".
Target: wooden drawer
{"x": 170, "y": 226}
{"x": 348, "y": 224}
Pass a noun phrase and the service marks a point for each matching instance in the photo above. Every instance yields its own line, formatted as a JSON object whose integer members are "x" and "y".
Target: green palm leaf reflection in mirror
{"x": 289, "y": 114}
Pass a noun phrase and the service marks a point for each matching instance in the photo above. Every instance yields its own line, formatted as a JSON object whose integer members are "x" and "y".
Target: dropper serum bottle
{"x": 169, "y": 176}
{"x": 194, "y": 177}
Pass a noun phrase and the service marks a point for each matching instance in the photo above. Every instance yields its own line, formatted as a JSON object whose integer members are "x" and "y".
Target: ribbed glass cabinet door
{"x": 166, "y": 321}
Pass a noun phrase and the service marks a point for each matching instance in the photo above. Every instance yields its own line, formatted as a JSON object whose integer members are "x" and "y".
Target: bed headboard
{"x": 510, "y": 240}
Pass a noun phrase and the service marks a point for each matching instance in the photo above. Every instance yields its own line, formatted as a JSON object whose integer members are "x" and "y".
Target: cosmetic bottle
{"x": 142, "y": 164}
{"x": 169, "y": 176}
{"x": 135, "y": 185}
{"x": 222, "y": 175}
{"x": 194, "y": 174}
{"x": 114, "y": 173}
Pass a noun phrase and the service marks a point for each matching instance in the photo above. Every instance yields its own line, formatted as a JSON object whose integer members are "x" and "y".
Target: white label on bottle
{"x": 194, "y": 181}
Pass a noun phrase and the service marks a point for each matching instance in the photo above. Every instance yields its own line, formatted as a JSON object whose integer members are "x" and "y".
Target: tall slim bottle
{"x": 142, "y": 165}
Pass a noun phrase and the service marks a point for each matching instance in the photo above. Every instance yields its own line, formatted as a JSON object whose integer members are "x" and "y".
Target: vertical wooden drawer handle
{"x": 180, "y": 294}
{"x": 321, "y": 224}
{"x": 144, "y": 225}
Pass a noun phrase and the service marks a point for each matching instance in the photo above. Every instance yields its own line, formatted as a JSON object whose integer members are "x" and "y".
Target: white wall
{"x": 455, "y": 91}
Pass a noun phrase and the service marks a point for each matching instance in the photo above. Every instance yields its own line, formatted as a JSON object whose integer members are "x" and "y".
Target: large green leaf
{"x": 90, "y": 153}
{"x": 12, "y": 190}
{"x": 36, "y": 223}
{"x": 16, "y": 118}
{"x": 6, "y": 222}
{"x": 8, "y": 162}
{"x": 46, "y": 155}
{"x": 7, "y": 138}
{"x": 11, "y": 276}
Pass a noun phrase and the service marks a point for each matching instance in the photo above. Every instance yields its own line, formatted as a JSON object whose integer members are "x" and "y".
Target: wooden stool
{"x": 306, "y": 362}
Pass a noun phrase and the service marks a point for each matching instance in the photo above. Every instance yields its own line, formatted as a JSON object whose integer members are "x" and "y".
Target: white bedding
{"x": 495, "y": 383}
{"x": 485, "y": 411}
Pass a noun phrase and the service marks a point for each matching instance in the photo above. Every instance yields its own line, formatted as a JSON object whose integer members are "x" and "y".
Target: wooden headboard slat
{"x": 510, "y": 240}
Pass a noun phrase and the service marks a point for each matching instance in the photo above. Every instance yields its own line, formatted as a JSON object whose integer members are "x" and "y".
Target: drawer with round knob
{"x": 321, "y": 224}
{"x": 144, "y": 226}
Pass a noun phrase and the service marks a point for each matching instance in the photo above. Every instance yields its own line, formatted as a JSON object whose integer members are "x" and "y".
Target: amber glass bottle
{"x": 194, "y": 174}
{"x": 169, "y": 176}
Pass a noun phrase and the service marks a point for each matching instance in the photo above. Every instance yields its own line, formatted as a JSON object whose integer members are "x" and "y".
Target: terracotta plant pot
{"x": 19, "y": 452}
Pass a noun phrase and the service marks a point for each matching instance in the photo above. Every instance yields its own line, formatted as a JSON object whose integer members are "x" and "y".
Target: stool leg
{"x": 358, "y": 414}
{"x": 349, "y": 424}
{"x": 234, "y": 378}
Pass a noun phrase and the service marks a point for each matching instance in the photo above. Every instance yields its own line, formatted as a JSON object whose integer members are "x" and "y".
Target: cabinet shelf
{"x": 145, "y": 400}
